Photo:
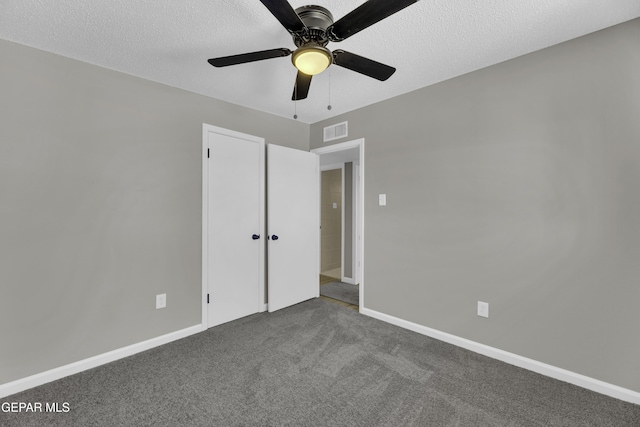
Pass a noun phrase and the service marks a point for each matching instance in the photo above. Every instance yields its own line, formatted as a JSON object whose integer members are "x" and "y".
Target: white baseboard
{"x": 17, "y": 386}
{"x": 513, "y": 359}
{"x": 348, "y": 280}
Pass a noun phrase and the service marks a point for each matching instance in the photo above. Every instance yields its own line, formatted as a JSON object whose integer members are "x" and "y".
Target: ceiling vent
{"x": 336, "y": 131}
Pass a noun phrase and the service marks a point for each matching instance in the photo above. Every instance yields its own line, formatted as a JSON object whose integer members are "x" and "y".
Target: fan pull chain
{"x": 329, "y": 106}
{"x": 295, "y": 101}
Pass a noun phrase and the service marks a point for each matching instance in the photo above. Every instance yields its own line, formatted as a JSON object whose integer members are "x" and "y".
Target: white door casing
{"x": 358, "y": 208}
{"x": 233, "y": 212}
{"x": 293, "y": 183}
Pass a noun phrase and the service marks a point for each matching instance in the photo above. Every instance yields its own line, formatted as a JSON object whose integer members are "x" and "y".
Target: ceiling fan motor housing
{"x": 317, "y": 19}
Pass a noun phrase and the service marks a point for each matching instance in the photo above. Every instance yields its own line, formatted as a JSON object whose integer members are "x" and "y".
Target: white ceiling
{"x": 169, "y": 41}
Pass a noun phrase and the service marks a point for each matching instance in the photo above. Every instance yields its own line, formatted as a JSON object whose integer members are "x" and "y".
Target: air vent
{"x": 337, "y": 131}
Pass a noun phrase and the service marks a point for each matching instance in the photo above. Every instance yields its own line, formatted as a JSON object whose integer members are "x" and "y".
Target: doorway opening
{"x": 341, "y": 222}
{"x": 331, "y": 223}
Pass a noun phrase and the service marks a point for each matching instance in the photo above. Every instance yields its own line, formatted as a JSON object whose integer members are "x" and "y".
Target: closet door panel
{"x": 293, "y": 226}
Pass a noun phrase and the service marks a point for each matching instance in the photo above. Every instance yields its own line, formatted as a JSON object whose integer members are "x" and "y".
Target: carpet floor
{"x": 316, "y": 364}
{"x": 344, "y": 292}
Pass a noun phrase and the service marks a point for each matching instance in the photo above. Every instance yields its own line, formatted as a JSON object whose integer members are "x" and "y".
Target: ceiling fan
{"x": 312, "y": 28}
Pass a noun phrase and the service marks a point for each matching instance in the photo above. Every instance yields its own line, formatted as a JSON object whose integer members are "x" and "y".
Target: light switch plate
{"x": 483, "y": 309}
{"x": 161, "y": 301}
{"x": 382, "y": 200}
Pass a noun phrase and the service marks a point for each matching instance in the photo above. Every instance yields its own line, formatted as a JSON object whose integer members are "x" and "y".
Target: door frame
{"x": 358, "y": 206}
{"x": 206, "y": 129}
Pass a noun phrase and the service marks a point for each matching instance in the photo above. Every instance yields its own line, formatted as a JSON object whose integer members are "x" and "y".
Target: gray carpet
{"x": 316, "y": 364}
{"x": 342, "y": 292}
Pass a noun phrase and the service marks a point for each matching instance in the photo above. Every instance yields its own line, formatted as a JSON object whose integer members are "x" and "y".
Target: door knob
{"x": 274, "y": 237}
{"x": 255, "y": 236}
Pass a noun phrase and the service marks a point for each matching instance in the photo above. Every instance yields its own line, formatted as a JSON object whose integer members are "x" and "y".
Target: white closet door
{"x": 235, "y": 225}
{"x": 293, "y": 226}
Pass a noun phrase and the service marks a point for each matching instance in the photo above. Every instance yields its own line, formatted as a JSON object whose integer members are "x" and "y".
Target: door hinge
{"x": 207, "y": 298}
{"x": 207, "y": 153}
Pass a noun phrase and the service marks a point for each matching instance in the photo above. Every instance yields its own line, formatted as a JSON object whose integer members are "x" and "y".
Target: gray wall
{"x": 517, "y": 185}
{"x": 100, "y": 206}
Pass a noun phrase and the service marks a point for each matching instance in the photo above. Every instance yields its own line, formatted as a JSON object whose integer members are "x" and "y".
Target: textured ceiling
{"x": 169, "y": 41}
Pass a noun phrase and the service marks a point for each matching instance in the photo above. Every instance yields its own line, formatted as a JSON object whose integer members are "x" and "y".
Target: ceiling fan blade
{"x": 362, "y": 65}
{"x": 284, "y": 13}
{"x": 301, "y": 87}
{"x": 243, "y": 58}
{"x": 365, "y": 15}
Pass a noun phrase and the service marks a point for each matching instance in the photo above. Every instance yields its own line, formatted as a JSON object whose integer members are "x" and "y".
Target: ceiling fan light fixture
{"x": 311, "y": 60}
{"x": 312, "y": 28}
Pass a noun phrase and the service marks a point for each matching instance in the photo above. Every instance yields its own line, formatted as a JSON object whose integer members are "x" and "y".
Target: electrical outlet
{"x": 382, "y": 200}
{"x": 161, "y": 301}
{"x": 483, "y": 309}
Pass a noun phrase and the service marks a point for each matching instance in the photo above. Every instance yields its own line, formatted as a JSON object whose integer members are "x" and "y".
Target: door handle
{"x": 274, "y": 237}
{"x": 255, "y": 236}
